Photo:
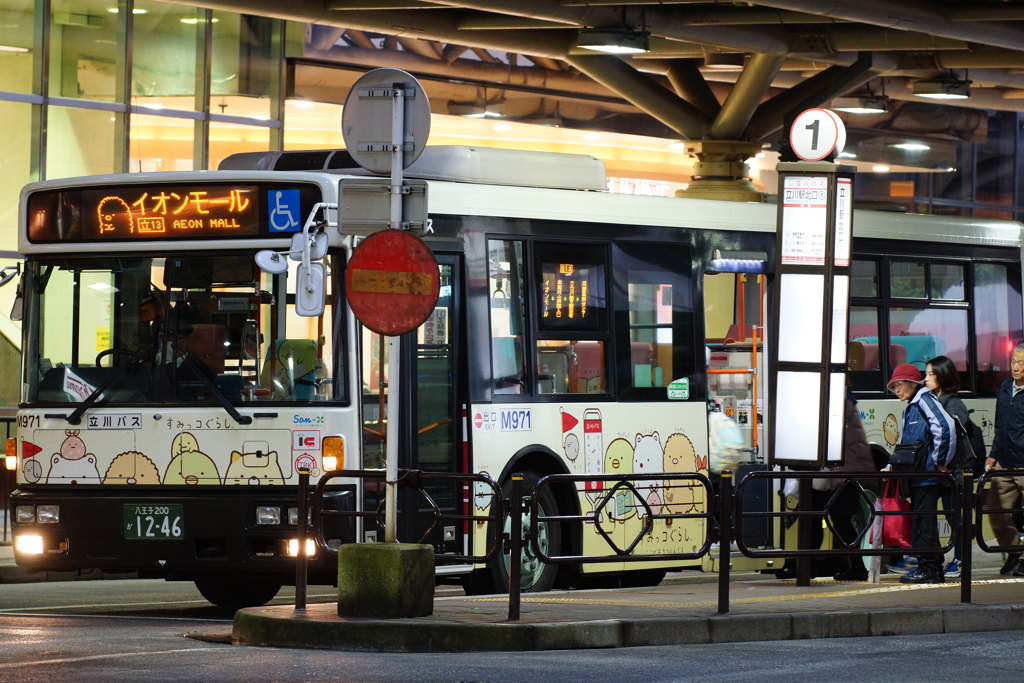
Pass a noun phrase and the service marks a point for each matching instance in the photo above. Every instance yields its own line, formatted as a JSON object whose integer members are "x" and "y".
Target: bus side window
{"x": 654, "y": 317}
{"x": 505, "y": 280}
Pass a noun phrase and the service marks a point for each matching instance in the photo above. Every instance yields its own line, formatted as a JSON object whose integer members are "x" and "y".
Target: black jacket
{"x": 1008, "y": 445}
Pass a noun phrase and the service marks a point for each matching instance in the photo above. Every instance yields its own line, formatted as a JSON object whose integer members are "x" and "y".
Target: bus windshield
{"x": 172, "y": 329}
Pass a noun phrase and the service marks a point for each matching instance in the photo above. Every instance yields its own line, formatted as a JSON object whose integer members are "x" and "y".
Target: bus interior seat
{"x": 589, "y": 367}
{"x": 506, "y": 365}
{"x": 290, "y": 372}
{"x": 863, "y": 355}
{"x": 735, "y": 332}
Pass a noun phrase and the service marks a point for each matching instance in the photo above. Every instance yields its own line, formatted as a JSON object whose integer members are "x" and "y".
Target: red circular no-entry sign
{"x": 392, "y": 282}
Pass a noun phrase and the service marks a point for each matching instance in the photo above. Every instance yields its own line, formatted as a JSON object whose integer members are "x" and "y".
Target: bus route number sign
{"x": 159, "y": 522}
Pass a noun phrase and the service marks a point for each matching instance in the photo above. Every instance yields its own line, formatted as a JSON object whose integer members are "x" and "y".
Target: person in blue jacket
{"x": 924, "y": 420}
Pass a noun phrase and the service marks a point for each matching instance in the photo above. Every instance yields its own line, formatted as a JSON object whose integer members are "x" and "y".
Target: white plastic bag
{"x": 725, "y": 442}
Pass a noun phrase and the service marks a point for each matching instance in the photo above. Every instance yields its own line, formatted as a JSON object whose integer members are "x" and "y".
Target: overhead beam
{"x": 645, "y": 93}
{"x": 689, "y": 84}
{"x": 770, "y": 116}
{"x": 909, "y": 15}
{"x": 750, "y": 88}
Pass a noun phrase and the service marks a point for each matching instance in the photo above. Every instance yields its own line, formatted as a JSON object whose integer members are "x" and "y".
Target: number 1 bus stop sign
{"x": 392, "y": 282}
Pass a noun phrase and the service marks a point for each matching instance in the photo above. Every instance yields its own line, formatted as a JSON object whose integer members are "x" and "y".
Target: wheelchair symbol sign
{"x": 285, "y": 214}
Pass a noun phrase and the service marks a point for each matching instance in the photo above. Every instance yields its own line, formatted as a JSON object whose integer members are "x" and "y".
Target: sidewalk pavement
{"x": 682, "y": 610}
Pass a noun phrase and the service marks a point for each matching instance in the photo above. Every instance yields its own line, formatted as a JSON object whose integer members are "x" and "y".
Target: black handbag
{"x": 909, "y": 456}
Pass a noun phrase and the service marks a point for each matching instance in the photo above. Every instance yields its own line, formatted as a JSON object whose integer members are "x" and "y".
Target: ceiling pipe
{"x": 750, "y": 88}
{"x": 645, "y": 93}
{"x": 814, "y": 92}
{"x": 689, "y": 84}
{"x": 420, "y": 47}
{"x": 323, "y": 37}
{"x": 908, "y": 15}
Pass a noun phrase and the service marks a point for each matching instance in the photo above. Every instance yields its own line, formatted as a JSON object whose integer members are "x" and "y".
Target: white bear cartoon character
{"x": 73, "y": 465}
{"x": 648, "y": 459}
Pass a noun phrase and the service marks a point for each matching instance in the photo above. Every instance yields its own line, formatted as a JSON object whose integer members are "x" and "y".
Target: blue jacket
{"x": 925, "y": 420}
{"x": 1008, "y": 445}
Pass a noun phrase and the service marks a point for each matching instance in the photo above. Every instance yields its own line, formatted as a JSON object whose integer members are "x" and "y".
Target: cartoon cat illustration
{"x": 254, "y": 469}
{"x": 132, "y": 467}
{"x": 189, "y": 465}
{"x": 73, "y": 465}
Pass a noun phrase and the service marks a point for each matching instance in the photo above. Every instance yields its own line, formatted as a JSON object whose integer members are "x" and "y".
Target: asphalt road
{"x": 121, "y": 631}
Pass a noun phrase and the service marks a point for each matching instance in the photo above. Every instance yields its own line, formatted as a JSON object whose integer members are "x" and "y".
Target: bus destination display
{"x": 138, "y": 213}
{"x": 572, "y": 295}
{"x": 168, "y": 211}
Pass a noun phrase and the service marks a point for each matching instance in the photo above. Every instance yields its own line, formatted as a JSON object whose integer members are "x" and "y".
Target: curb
{"x": 253, "y": 626}
{"x": 15, "y": 574}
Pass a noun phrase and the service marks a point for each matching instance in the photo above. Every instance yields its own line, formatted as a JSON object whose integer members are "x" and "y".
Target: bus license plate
{"x": 158, "y": 522}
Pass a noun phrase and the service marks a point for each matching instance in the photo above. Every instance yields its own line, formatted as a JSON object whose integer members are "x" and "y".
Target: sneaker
{"x": 904, "y": 566}
{"x": 1019, "y": 571}
{"x": 922, "y": 575}
{"x": 952, "y": 569}
{"x": 1011, "y": 563}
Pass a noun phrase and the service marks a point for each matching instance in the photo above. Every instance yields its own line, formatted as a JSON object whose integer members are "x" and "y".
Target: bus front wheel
{"x": 536, "y": 576}
{"x": 236, "y": 593}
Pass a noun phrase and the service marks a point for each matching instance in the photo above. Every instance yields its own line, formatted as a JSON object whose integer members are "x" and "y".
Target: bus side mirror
{"x": 7, "y": 274}
{"x": 18, "y": 308}
{"x": 309, "y": 289}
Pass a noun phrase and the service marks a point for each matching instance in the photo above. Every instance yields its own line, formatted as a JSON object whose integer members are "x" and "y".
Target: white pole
{"x": 394, "y": 343}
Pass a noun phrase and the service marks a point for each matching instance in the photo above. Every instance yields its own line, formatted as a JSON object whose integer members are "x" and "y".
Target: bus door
{"x": 431, "y": 432}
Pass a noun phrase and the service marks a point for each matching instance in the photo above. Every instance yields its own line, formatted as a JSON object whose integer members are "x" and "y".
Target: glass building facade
{"x": 92, "y": 87}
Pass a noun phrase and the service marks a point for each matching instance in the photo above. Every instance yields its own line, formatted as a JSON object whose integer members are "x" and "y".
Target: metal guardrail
{"x": 601, "y": 505}
{"x": 411, "y": 479}
{"x": 719, "y": 512}
{"x": 980, "y": 510}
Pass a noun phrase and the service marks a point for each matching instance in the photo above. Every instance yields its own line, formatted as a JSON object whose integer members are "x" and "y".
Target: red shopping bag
{"x": 896, "y": 529}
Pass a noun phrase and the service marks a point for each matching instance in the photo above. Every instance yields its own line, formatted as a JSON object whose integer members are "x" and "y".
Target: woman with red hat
{"x": 925, "y": 421}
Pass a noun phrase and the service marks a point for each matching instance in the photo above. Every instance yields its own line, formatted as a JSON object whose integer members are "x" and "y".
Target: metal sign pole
{"x": 394, "y": 343}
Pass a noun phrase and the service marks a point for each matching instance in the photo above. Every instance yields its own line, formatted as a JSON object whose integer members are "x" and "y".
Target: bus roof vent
{"x": 456, "y": 163}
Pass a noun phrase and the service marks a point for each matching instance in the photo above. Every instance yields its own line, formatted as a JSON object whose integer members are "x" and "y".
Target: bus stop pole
{"x": 966, "y": 534}
{"x": 515, "y": 547}
{"x": 301, "y": 558}
{"x": 724, "y": 541}
{"x": 394, "y": 343}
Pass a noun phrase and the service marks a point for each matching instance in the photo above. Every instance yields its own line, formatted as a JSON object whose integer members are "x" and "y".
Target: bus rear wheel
{"x": 535, "y": 576}
{"x": 237, "y": 592}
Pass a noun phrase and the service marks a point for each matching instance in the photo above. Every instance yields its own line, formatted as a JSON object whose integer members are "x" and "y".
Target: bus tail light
{"x": 11, "y": 453}
{"x": 334, "y": 452}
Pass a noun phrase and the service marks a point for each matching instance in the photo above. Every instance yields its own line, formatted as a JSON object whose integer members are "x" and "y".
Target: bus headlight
{"x": 11, "y": 454}
{"x": 293, "y": 516}
{"x": 29, "y": 545}
{"x": 334, "y": 452}
{"x": 293, "y": 547}
{"x": 48, "y": 514}
{"x": 25, "y": 514}
{"x": 267, "y": 515}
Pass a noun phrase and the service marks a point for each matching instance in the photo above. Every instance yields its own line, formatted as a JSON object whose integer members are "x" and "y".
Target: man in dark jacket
{"x": 1008, "y": 454}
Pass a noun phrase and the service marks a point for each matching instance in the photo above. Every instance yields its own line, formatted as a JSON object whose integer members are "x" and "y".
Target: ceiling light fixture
{"x": 912, "y": 146}
{"x": 303, "y": 104}
{"x": 614, "y": 41}
{"x": 941, "y": 89}
{"x": 880, "y": 169}
{"x": 861, "y": 104}
{"x": 725, "y": 61}
{"x": 591, "y": 136}
{"x": 12, "y": 48}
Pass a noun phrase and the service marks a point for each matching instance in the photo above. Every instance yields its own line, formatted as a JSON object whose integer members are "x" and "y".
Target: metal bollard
{"x": 515, "y": 547}
{"x": 966, "y": 535}
{"x": 804, "y": 532}
{"x": 724, "y": 541}
{"x": 301, "y": 558}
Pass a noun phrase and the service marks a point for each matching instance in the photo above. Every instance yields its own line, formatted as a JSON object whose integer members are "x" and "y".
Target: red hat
{"x": 907, "y": 372}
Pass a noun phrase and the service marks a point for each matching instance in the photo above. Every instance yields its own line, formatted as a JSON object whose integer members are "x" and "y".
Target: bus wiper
{"x": 221, "y": 398}
{"x": 75, "y": 418}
